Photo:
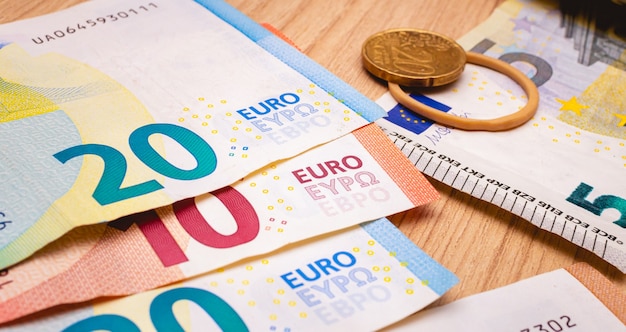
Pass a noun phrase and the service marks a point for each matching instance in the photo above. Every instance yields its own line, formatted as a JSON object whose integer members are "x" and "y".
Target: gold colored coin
{"x": 412, "y": 57}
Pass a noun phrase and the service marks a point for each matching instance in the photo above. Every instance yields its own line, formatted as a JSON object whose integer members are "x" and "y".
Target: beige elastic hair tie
{"x": 502, "y": 123}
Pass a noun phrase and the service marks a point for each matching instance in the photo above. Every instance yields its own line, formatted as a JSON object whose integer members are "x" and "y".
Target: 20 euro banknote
{"x": 564, "y": 169}
{"x": 114, "y": 107}
{"x": 362, "y": 278}
{"x": 356, "y": 178}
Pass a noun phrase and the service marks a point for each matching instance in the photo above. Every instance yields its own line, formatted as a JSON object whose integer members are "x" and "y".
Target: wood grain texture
{"x": 485, "y": 246}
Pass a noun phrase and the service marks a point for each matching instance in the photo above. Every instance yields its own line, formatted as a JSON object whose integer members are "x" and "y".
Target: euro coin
{"x": 413, "y": 58}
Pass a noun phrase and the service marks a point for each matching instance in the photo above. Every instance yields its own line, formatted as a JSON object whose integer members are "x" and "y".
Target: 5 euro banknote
{"x": 563, "y": 170}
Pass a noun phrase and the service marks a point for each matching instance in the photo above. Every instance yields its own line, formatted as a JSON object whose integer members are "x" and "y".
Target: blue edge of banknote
{"x": 438, "y": 278}
{"x": 368, "y": 109}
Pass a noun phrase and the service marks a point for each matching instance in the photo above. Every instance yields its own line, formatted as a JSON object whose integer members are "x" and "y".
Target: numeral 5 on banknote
{"x": 600, "y": 204}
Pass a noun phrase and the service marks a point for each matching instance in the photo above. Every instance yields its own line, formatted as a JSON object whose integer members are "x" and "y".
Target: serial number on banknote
{"x": 94, "y": 22}
{"x": 553, "y": 325}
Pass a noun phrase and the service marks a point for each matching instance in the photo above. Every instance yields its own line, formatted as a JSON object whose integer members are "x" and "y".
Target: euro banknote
{"x": 359, "y": 177}
{"x": 577, "y": 298}
{"x": 114, "y": 107}
{"x": 564, "y": 169}
{"x": 362, "y": 278}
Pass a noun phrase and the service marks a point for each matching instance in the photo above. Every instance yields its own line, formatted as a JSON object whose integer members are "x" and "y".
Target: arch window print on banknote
{"x": 564, "y": 169}
{"x": 598, "y": 30}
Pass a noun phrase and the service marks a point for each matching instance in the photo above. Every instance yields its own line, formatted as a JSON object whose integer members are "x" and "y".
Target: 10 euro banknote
{"x": 107, "y": 110}
{"x": 362, "y": 278}
{"x": 353, "y": 179}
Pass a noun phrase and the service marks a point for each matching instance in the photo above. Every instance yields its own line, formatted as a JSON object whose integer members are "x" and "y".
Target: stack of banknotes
{"x": 172, "y": 164}
{"x": 212, "y": 177}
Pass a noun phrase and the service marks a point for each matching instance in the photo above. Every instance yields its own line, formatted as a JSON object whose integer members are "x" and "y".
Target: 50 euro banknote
{"x": 564, "y": 169}
{"x": 362, "y": 278}
{"x": 356, "y": 178}
{"x": 106, "y": 110}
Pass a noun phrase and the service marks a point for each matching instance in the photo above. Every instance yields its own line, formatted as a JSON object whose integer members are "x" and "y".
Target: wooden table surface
{"x": 485, "y": 246}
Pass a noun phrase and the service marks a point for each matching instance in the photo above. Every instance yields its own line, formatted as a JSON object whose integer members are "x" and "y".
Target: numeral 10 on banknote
{"x": 190, "y": 218}
{"x": 109, "y": 190}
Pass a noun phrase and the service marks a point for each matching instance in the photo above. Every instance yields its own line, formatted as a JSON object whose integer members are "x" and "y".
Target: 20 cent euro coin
{"x": 413, "y": 57}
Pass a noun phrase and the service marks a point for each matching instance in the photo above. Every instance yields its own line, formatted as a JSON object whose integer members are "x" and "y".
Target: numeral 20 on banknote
{"x": 109, "y": 189}
{"x": 163, "y": 316}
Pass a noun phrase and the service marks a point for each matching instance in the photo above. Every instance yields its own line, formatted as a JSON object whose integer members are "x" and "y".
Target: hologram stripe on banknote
{"x": 562, "y": 170}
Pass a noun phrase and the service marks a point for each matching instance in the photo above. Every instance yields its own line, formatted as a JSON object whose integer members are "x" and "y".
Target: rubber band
{"x": 498, "y": 124}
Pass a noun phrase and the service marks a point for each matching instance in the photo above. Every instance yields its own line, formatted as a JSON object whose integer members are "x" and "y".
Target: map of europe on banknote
{"x": 564, "y": 169}
{"x": 115, "y": 107}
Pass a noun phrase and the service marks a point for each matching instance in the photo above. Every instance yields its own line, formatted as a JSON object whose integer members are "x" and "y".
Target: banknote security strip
{"x": 99, "y": 121}
{"x": 350, "y": 180}
{"x": 562, "y": 170}
{"x": 363, "y": 278}
{"x": 578, "y": 298}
